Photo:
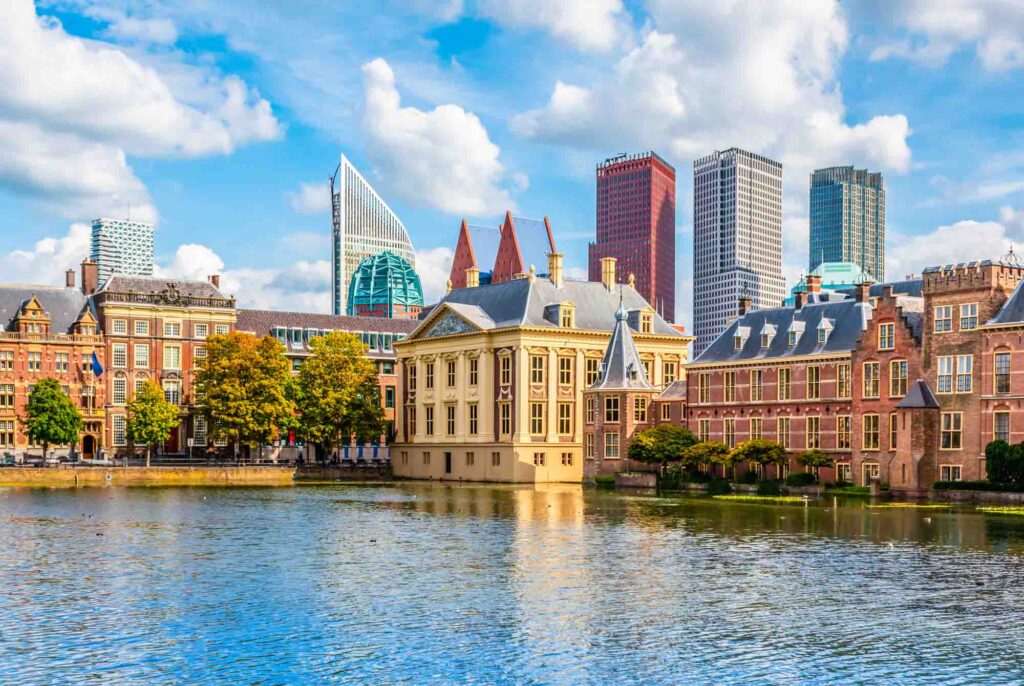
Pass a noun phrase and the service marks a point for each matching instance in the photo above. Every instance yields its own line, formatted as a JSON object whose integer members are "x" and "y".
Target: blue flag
{"x": 97, "y": 368}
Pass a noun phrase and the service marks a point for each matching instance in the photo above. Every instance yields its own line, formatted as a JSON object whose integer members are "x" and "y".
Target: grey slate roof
{"x": 521, "y": 302}
{"x": 919, "y": 396}
{"x": 260, "y": 322}
{"x": 534, "y": 244}
{"x": 1012, "y": 311}
{"x": 146, "y": 284}
{"x": 674, "y": 391}
{"x": 64, "y": 305}
{"x": 911, "y": 287}
{"x": 621, "y": 368}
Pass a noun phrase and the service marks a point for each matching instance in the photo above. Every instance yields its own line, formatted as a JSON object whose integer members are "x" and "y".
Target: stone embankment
{"x": 147, "y": 476}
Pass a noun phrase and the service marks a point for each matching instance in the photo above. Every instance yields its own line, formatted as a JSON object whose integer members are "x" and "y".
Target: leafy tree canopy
{"x": 814, "y": 458}
{"x": 708, "y": 452}
{"x": 661, "y": 443}
{"x": 50, "y": 416}
{"x": 151, "y": 418}
{"x": 761, "y": 451}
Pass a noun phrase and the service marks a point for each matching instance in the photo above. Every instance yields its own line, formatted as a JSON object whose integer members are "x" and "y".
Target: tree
{"x": 244, "y": 386}
{"x": 760, "y": 451}
{"x": 338, "y": 396}
{"x": 151, "y": 418}
{"x": 707, "y": 452}
{"x": 661, "y": 443}
{"x": 814, "y": 460}
{"x": 51, "y": 417}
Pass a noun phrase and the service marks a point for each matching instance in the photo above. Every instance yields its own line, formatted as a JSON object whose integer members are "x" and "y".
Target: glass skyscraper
{"x": 848, "y": 219}
{"x": 363, "y": 225}
{"x": 121, "y": 246}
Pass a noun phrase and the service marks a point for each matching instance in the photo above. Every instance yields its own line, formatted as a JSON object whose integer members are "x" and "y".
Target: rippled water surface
{"x": 482, "y": 585}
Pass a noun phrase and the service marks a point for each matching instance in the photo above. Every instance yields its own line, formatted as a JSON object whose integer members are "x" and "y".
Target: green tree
{"x": 151, "y": 418}
{"x": 760, "y": 451}
{"x": 660, "y": 444}
{"x": 50, "y": 416}
{"x": 244, "y": 385}
{"x": 338, "y": 396}
{"x": 707, "y": 452}
{"x": 814, "y": 460}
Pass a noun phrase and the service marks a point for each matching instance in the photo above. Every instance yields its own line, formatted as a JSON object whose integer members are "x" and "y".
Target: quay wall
{"x": 71, "y": 477}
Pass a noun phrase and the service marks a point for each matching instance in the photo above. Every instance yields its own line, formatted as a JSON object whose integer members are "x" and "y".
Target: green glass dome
{"x": 383, "y": 283}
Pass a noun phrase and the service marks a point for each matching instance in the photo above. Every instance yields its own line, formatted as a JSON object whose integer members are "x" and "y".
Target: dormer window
{"x": 740, "y": 337}
{"x": 824, "y": 329}
{"x": 567, "y": 316}
{"x": 646, "y": 322}
{"x": 767, "y": 336}
{"x": 737, "y": 342}
{"x": 793, "y": 338}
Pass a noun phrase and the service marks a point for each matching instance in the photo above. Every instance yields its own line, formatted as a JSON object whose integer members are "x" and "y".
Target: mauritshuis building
{"x": 847, "y": 216}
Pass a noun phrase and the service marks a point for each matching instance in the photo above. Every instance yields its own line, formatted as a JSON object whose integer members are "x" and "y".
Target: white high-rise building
{"x": 363, "y": 225}
{"x": 122, "y": 246}
{"x": 737, "y": 239}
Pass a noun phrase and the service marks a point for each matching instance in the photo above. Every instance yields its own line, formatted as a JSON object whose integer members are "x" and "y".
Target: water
{"x": 481, "y": 585}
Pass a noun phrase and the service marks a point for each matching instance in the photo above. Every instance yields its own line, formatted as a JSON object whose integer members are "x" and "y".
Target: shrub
{"x": 747, "y": 477}
{"x": 605, "y": 480}
{"x": 661, "y": 443}
{"x": 797, "y": 479}
{"x": 719, "y": 486}
{"x": 768, "y": 487}
{"x": 697, "y": 477}
{"x": 672, "y": 479}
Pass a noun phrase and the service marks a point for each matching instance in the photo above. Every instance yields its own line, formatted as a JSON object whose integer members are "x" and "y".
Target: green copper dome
{"x": 383, "y": 281}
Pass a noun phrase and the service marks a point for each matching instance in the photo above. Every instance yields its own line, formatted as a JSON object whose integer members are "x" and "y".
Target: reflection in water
{"x": 432, "y": 583}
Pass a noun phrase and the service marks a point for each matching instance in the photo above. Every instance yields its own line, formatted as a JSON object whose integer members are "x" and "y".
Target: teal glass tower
{"x": 385, "y": 285}
{"x": 848, "y": 219}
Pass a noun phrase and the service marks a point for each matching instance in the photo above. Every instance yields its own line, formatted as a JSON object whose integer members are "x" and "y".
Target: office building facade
{"x": 122, "y": 246}
{"x": 636, "y": 224}
{"x": 363, "y": 225}
{"x": 737, "y": 222}
{"x": 848, "y": 219}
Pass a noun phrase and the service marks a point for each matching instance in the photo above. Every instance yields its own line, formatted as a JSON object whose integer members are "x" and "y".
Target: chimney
{"x": 608, "y": 272}
{"x": 90, "y": 276}
{"x": 801, "y": 299}
{"x": 472, "y": 277}
{"x": 863, "y": 292}
{"x": 555, "y": 269}
{"x": 448, "y": 287}
{"x": 887, "y": 292}
{"x": 813, "y": 283}
{"x": 746, "y": 303}
{"x": 215, "y": 280}
{"x": 69, "y": 278}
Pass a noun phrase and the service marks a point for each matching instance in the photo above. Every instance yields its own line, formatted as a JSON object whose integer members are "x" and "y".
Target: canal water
{"x": 434, "y": 584}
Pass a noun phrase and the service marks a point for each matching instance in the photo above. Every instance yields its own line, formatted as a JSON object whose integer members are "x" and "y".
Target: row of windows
{"x": 538, "y": 371}
{"x": 140, "y": 358}
{"x": 943, "y": 319}
{"x": 119, "y": 327}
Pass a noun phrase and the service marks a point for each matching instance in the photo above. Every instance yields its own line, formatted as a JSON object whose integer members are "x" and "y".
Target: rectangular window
{"x": 813, "y": 383}
{"x": 474, "y": 419}
{"x": 964, "y": 372}
{"x": 756, "y": 428}
{"x": 766, "y": 341}
{"x": 729, "y": 431}
{"x": 893, "y": 430}
{"x": 426, "y": 458}
{"x": 7, "y": 433}
{"x": 792, "y": 338}
{"x": 495, "y": 459}
{"x": 139, "y": 383}
{"x": 729, "y": 381}
{"x": 886, "y": 336}
{"x": 704, "y": 387}
{"x": 611, "y": 410}
{"x": 119, "y": 355}
{"x": 505, "y": 370}
{"x": 6, "y": 360}
{"x": 756, "y": 384}
{"x": 591, "y": 412}
{"x": 538, "y": 459}
{"x": 120, "y": 390}
{"x": 952, "y": 428}
{"x": 201, "y": 330}
{"x": 566, "y": 459}
{"x": 870, "y": 432}
{"x": 593, "y": 368}
{"x": 120, "y": 428}
{"x": 410, "y": 375}
{"x": 565, "y": 371}
{"x": 666, "y": 412}
{"x": 172, "y": 357}
{"x": 430, "y": 421}
{"x": 565, "y": 317}
{"x": 945, "y": 374}
{"x": 703, "y": 430}
{"x": 430, "y": 374}
{"x": 1001, "y": 426}
{"x": 950, "y": 472}
{"x": 871, "y": 372}
{"x": 172, "y": 392}
{"x": 782, "y": 432}
{"x": 668, "y": 372}
{"x": 222, "y": 329}
{"x": 470, "y": 459}
{"x": 843, "y": 380}
{"x": 141, "y": 327}
{"x": 389, "y": 397}
{"x": 565, "y": 419}
{"x": 843, "y": 430}
{"x": 410, "y": 414}
{"x": 897, "y": 378}
{"x": 119, "y": 327}
{"x": 449, "y": 419}
{"x": 537, "y": 419}
{"x": 640, "y": 410}
{"x": 7, "y": 395}
{"x": 61, "y": 362}
{"x": 198, "y": 356}
{"x": 537, "y": 368}
{"x": 505, "y": 419}
{"x": 172, "y": 329}
{"x": 450, "y": 380}
{"x": 35, "y": 362}
{"x": 588, "y": 446}
{"x": 199, "y": 430}
{"x": 141, "y": 356}
{"x": 968, "y": 316}
{"x": 1002, "y": 372}
{"x": 611, "y": 446}
{"x": 813, "y": 431}
{"x": 943, "y": 318}
{"x": 474, "y": 373}
{"x": 783, "y": 386}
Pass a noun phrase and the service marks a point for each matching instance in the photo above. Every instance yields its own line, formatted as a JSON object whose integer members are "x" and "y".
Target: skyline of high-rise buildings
{"x": 636, "y": 224}
{"x": 737, "y": 238}
{"x": 122, "y": 246}
{"x": 847, "y": 219}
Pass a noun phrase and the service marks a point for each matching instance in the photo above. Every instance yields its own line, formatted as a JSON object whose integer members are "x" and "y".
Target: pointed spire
{"x": 622, "y": 368}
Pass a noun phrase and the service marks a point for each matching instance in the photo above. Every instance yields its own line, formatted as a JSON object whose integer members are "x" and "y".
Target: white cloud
{"x": 585, "y": 24}
{"x": 311, "y": 198}
{"x": 49, "y": 258}
{"x": 994, "y": 29}
{"x": 963, "y": 241}
{"x": 434, "y": 265}
{"x": 122, "y": 27}
{"x": 443, "y": 158}
{"x": 1012, "y": 219}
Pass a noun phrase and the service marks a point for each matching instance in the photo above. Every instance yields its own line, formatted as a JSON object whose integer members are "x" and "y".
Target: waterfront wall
{"x": 316, "y": 473}
{"x": 147, "y": 476}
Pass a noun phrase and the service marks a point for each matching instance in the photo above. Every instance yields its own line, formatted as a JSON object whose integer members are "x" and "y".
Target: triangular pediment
{"x": 450, "y": 319}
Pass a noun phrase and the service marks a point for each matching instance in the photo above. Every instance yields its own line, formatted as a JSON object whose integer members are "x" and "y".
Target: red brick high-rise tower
{"x": 636, "y": 224}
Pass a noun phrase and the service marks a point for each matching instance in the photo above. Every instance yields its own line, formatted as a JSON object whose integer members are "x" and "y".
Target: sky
{"x": 220, "y": 121}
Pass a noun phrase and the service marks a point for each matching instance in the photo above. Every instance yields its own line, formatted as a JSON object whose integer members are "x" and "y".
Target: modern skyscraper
{"x": 121, "y": 246}
{"x": 737, "y": 239}
{"x": 848, "y": 219}
{"x": 363, "y": 225}
{"x": 636, "y": 224}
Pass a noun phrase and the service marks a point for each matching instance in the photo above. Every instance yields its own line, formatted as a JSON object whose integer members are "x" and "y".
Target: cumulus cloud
{"x": 310, "y": 198}
{"x": 442, "y": 158}
{"x": 46, "y": 262}
{"x": 962, "y": 241}
{"x": 585, "y": 24}
{"x": 434, "y": 265}
{"x": 993, "y": 29}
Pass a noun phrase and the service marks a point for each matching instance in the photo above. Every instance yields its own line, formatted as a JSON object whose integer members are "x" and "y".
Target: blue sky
{"x": 221, "y": 119}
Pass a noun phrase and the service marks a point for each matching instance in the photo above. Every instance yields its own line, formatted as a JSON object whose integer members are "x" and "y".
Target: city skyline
{"x": 229, "y": 138}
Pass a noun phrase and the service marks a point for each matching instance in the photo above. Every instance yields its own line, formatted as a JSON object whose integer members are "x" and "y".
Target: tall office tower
{"x": 737, "y": 239}
{"x": 363, "y": 225}
{"x": 848, "y": 219}
{"x": 121, "y": 246}
{"x": 636, "y": 224}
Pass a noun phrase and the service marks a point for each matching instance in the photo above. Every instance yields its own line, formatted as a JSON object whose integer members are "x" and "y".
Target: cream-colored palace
{"x": 492, "y": 381}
